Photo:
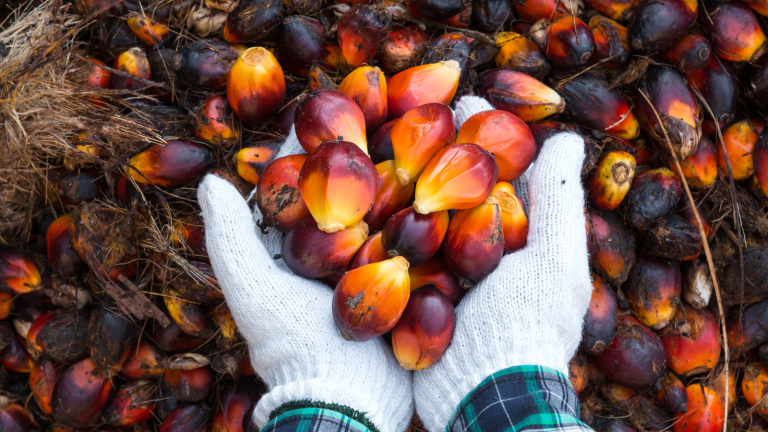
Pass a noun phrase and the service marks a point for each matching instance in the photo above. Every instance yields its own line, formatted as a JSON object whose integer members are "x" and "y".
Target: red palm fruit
{"x": 690, "y": 53}
{"x": 251, "y": 162}
{"x": 705, "y": 411}
{"x": 520, "y": 94}
{"x": 460, "y": 176}
{"x": 434, "y": 10}
{"x": 611, "y": 41}
{"x": 417, "y": 136}
{"x": 474, "y": 242}
{"x": 112, "y": 336}
{"x": 327, "y": 115}
{"x": 15, "y": 358}
{"x": 592, "y": 103}
{"x": 514, "y": 223}
{"x": 677, "y": 106}
{"x": 653, "y": 288}
{"x": 614, "y": 247}
{"x": 671, "y": 394}
{"x": 436, "y": 272}
{"x": 65, "y": 337}
{"x": 380, "y": 143}
{"x": 189, "y": 385}
{"x": 419, "y": 85}
{"x": 740, "y": 139}
{"x": 231, "y": 411}
{"x": 214, "y": 122}
{"x": 462, "y": 19}
{"x": 692, "y": 341}
{"x": 42, "y": 379}
{"x": 90, "y": 74}
{"x": 754, "y": 386}
{"x": 367, "y": 86}
{"x": 301, "y": 44}
{"x": 33, "y": 347}
{"x": 568, "y": 43}
{"x": 601, "y": 318}
{"x": 80, "y": 395}
{"x": 256, "y": 85}
{"x": 278, "y": 196}
{"x": 718, "y": 85}
{"x": 133, "y": 403}
{"x": 371, "y": 252}
{"x": 414, "y": 236}
{"x": 653, "y": 196}
{"x": 6, "y": 299}
{"x": 14, "y": 418}
{"x": 152, "y": 33}
{"x": 369, "y": 300}
{"x": 635, "y": 358}
{"x": 171, "y": 164}
{"x": 146, "y": 361}
{"x": 319, "y": 79}
{"x": 189, "y": 231}
{"x": 360, "y": 33}
{"x": 748, "y": 330}
{"x": 700, "y": 169}
{"x": 504, "y": 135}
{"x": 519, "y": 53}
{"x": 450, "y": 46}
{"x": 338, "y": 183}
{"x": 173, "y": 339}
{"x": 226, "y": 329}
{"x": 187, "y": 418}
{"x": 190, "y": 317}
{"x": 205, "y": 64}
{"x": 717, "y": 383}
{"x": 253, "y": 20}
{"x": 134, "y": 62}
{"x": 402, "y": 47}
{"x": 490, "y": 15}
{"x": 759, "y": 6}
{"x": 61, "y": 254}
{"x": 619, "y": 10}
{"x": 534, "y": 10}
{"x": 655, "y": 26}
{"x": 735, "y": 33}
{"x": 578, "y": 372}
{"x": 609, "y": 183}
{"x": 18, "y": 273}
{"x": 312, "y": 253}
{"x": 391, "y": 196}
{"x": 425, "y": 329}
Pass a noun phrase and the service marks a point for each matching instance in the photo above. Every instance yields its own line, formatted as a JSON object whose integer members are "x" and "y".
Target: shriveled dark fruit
{"x": 653, "y": 196}
{"x": 112, "y": 335}
{"x": 755, "y": 277}
{"x": 670, "y": 393}
{"x": 65, "y": 337}
{"x": 205, "y": 64}
{"x": 673, "y": 238}
{"x": 749, "y": 329}
{"x": 450, "y": 46}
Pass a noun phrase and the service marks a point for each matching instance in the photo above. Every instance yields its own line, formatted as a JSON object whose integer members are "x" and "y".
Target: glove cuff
{"x": 341, "y": 409}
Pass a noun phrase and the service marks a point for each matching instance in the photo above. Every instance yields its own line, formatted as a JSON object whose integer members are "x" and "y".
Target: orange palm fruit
{"x": 18, "y": 273}
{"x": 601, "y": 318}
{"x": 611, "y": 41}
{"x": 360, "y": 32}
{"x": 133, "y": 403}
{"x": 739, "y": 139}
{"x": 371, "y": 252}
{"x": 90, "y": 74}
{"x": 214, "y": 122}
{"x": 518, "y": 53}
{"x": 717, "y": 383}
{"x": 300, "y": 44}
{"x": 689, "y": 54}
{"x": 15, "y": 358}
{"x": 578, "y": 373}
{"x": 256, "y": 86}
{"x": 592, "y": 103}
{"x": 425, "y": 329}
{"x": 189, "y": 316}
{"x": 474, "y": 242}
{"x": 653, "y": 288}
{"x": 391, "y": 196}
{"x": 616, "y": 394}
{"x": 436, "y": 272}
{"x": 146, "y": 361}
{"x": 419, "y": 85}
{"x": 14, "y": 418}
{"x": 692, "y": 341}
{"x": 278, "y": 196}
{"x": 434, "y": 10}
{"x": 80, "y": 395}
{"x": 205, "y": 64}
{"x": 413, "y": 236}
{"x": 319, "y": 79}
{"x": 327, "y": 115}
{"x": 33, "y": 347}
{"x": 6, "y": 300}
{"x": 42, "y": 379}
{"x": 417, "y": 136}
{"x": 568, "y": 43}
{"x": 613, "y": 247}
{"x": 171, "y": 164}
{"x": 338, "y": 182}
{"x": 719, "y": 86}
{"x": 134, "y": 61}
{"x": 231, "y": 411}
{"x": 187, "y": 418}
{"x": 514, "y": 223}
{"x": 700, "y": 169}
{"x": 401, "y": 48}
{"x": 312, "y": 253}
{"x": 225, "y": 326}
{"x": 88, "y": 144}
{"x": 367, "y": 86}
{"x": 189, "y": 385}
{"x": 760, "y": 156}
{"x": 506, "y": 136}
{"x": 462, "y": 19}
{"x": 460, "y": 176}
{"x": 670, "y": 393}
{"x": 655, "y": 26}
{"x": 189, "y": 232}
{"x": 61, "y": 253}
{"x": 759, "y": 6}
{"x": 735, "y": 32}
{"x": 609, "y": 183}
{"x": 251, "y": 162}
{"x": 252, "y": 21}
{"x": 705, "y": 411}
{"x": 369, "y": 300}
{"x": 152, "y": 33}
{"x": 619, "y": 10}
{"x": 520, "y": 94}
{"x": 754, "y": 386}
{"x": 534, "y": 10}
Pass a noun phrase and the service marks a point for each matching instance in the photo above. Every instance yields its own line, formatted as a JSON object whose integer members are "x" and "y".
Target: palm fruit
{"x": 749, "y": 330}
{"x": 474, "y": 242}
{"x": 490, "y": 15}
{"x": 33, "y": 347}
{"x": 435, "y": 272}
{"x": 425, "y": 329}
{"x": 133, "y": 403}
{"x": 677, "y": 106}
{"x": 739, "y": 139}
{"x": 189, "y": 316}
{"x": 734, "y": 31}
{"x": 760, "y": 158}
{"x": 610, "y": 182}
{"x": 417, "y": 137}
{"x": 338, "y": 183}
{"x": 80, "y": 395}
{"x": 450, "y": 46}
{"x": 755, "y": 258}
{"x": 700, "y": 169}
{"x": 414, "y": 236}
{"x": 89, "y": 73}
{"x": 371, "y": 252}
{"x": 601, "y": 318}
{"x": 360, "y": 33}
{"x": 653, "y": 196}
{"x": 187, "y": 418}
{"x": 18, "y": 273}
{"x": 250, "y": 162}
{"x": 719, "y": 86}
{"x": 6, "y": 300}
{"x": 655, "y": 26}
{"x": 233, "y": 405}
{"x": 635, "y": 358}
{"x": 189, "y": 233}
{"x": 226, "y": 328}
{"x": 592, "y": 103}
{"x": 369, "y": 300}
{"x": 72, "y": 189}
{"x": 518, "y": 53}
{"x": 754, "y": 386}
{"x": 42, "y": 379}
{"x": 402, "y": 47}
{"x": 514, "y": 223}
{"x": 173, "y": 339}
{"x": 578, "y": 372}
{"x": 462, "y": 19}
{"x": 690, "y": 53}
{"x": 152, "y": 33}
{"x": 319, "y": 79}
{"x": 312, "y": 253}
{"x": 146, "y": 361}
{"x": 697, "y": 285}
{"x": 214, "y": 122}
{"x": 189, "y": 385}
{"x": 15, "y": 358}
{"x": 610, "y": 424}
{"x": 419, "y": 85}
{"x": 278, "y": 196}
{"x": 616, "y": 394}
{"x": 391, "y": 196}
{"x": 134, "y": 62}
{"x": 205, "y": 64}
{"x": 705, "y": 411}
{"x": 14, "y": 418}
{"x": 301, "y": 44}
{"x": 434, "y": 10}
{"x": 327, "y": 115}
{"x": 367, "y": 86}
{"x": 520, "y": 94}
{"x": 252, "y": 21}
{"x": 568, "y": 43}
{"x": 614, "y": 247}
{"x": 460, "y": 176}
{"x": 692, "y": 341}
{"x": 611, "y": 41}
{"x": 619, "y": 10}
{"x": 759, "y": 6}
{"x": 724, "y": 390}
{"x": 534, "y": 10}
{"x": 111, "y": 336}
{"x": 283, "y": 121}
{"x": 653, "y": 288}
{"x": 61, "y": 254}
{"x": 380, "y": 143}
{"x": 673, "y": 238}
{"x": 256, "y": 85}
{"x": 670, "y": 393}
{"x": 171, "y": 164}
{"x": 65, "y": 337}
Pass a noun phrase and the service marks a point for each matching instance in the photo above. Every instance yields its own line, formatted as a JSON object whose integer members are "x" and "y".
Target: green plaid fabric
{"x": 314, "y": 420}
